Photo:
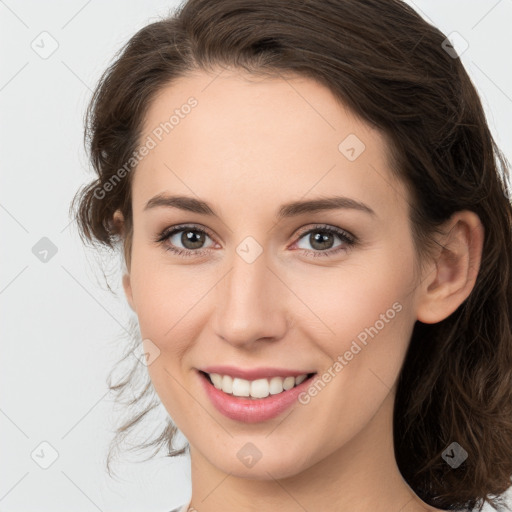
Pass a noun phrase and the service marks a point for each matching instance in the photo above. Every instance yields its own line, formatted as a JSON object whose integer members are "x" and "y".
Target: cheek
{"x": 170, "y": 301}
{"x": 372, "y": 319}
{"x": 347, "y": 304}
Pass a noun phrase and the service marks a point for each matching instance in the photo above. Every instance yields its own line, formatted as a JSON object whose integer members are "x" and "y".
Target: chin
{"x": 259, "y": 464}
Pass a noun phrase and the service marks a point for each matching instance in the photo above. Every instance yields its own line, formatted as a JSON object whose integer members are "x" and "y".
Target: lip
{"x": 254, "y": 373}
{"x": 252, "y": 410}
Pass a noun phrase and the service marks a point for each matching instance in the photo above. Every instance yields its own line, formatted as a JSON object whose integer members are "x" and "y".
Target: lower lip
{"x": 250, "y": 410}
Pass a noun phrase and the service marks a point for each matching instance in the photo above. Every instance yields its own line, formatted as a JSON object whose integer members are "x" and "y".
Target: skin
{"x": 249, "y": 146}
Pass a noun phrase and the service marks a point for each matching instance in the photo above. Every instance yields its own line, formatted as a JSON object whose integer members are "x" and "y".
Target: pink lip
{"x": 253, "y": 373}
{"x": 252, "y": 410}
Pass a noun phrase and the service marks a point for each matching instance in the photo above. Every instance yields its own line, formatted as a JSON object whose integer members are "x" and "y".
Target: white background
{"x": 60, "y": 325}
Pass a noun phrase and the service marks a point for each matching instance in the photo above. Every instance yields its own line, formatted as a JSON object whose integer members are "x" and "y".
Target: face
{"x": 263, "y": 287}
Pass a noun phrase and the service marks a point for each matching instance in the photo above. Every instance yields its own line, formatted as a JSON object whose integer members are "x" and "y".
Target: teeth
{"x": 299, "y": 379}
{"x": 216, "y": 379}
{"x": 260, "y": 388}
{"x": 288, "y": 383}
{"x": 241, "y": 387}
{"x": 227, "y": 384}
{"x": 276, "y": 385}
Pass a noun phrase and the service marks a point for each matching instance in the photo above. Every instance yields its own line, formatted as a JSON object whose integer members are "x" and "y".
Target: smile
{"x": 253, "y": 401}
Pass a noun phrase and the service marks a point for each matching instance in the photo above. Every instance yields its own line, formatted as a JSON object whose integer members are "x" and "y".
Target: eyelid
{"x": 166, "y": 233}
{"x": 329, "y": 228}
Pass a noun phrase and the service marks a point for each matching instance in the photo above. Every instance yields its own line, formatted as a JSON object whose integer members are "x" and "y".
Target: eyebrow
{"x": 287, "y": 210}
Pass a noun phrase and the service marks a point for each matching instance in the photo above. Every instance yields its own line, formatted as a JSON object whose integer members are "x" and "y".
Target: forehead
{"x": 237, "y": 134}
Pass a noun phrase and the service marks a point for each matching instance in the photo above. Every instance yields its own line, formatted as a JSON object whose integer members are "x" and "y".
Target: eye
{"x": 322, "y": 239}
{"x": 191, "y": 238}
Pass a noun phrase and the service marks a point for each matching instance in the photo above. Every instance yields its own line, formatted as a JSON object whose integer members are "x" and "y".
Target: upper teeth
{"x": 259, "y": 388}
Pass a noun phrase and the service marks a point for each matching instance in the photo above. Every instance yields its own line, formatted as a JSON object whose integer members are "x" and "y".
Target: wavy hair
{"x": 391, "y": 68}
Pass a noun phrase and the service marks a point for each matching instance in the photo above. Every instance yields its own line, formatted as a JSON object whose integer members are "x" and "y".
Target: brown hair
{"x": 390, "y": 66}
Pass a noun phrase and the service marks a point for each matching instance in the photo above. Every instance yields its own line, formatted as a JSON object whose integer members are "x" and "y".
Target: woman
{"x": 316, "y": 227}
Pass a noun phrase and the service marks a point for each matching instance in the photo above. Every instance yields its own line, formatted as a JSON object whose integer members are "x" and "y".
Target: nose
{"x": 250, "y": 304}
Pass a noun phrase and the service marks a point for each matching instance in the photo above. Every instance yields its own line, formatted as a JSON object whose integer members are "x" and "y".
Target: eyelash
{"x": 348, "y": 240}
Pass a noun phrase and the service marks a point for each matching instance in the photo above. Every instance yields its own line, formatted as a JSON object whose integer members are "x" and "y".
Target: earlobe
{"x": 118, "y": 221}
{"x": 128, "y": 291}
{"x": 453, "y": 274}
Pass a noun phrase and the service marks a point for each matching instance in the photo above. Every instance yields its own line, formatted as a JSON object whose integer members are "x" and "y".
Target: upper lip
{"x": 253, "y": 373}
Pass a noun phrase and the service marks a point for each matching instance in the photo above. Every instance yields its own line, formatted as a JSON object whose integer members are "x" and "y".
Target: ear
{"x": 118, "y": 222}
{"x": 452, "y": 275}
